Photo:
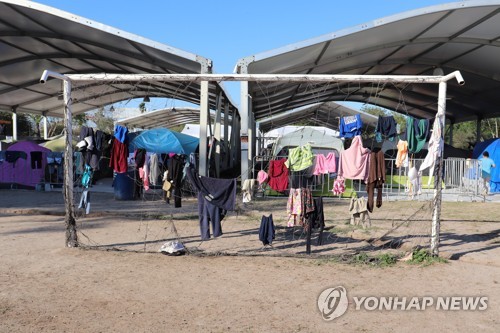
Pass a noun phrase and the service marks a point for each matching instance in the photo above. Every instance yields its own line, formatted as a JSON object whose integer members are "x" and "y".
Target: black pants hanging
{"x": 266, "y": 230}
{"x": 209, "y": 214}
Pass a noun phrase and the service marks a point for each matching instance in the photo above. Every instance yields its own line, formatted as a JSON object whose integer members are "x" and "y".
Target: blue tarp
{"x": 493, "y": 148}
{"x": 162, "y": 140}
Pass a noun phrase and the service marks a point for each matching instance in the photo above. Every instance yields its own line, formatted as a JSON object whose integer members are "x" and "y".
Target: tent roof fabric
{"x": 168, "y": 118}
{"x": 35, "y": 37}
{"x": 317, "y": 139}
{"x": 27, "y": 146}
{"x": 455, "y": 36}
{"x": 325, "y": 114}
{"x": 493, "y": 148}
{"x": 57, "y": 144}
{"x": 480, "y": 147}
{"x": 163, "y": 141}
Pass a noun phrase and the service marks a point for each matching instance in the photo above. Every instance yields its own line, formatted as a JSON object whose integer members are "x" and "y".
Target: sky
{"x": 227, "y": 30}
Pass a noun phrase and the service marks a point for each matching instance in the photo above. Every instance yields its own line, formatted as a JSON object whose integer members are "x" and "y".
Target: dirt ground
{"x": 45, "y": 287}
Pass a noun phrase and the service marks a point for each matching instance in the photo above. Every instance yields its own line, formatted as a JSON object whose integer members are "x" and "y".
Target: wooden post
{"x": 71, "y": 231}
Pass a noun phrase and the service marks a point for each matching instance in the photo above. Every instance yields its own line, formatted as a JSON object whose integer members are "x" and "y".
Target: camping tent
{"x": 162, "y": 140}
{"x": 194, "y": 130}
{"x": 493, "y": 148}
{"x": 319, "y": 140}
{"x": 24, "y": 164}
{"x": 57, "y": 143}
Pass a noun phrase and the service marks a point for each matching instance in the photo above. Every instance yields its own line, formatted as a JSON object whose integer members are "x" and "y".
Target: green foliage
{"x": 35, "y": 119}
{"x": 464, "y": 135}
{"x": 102, "y": 120}
{"x": 378, "y": 111}
{"x": 386, "y": 259}
{"x": 142, "y": 107}
{"x": 361, "y": 258}
{"x": 424, "y": 257}
{"x": 80, "y": 119}
{"x": 382, "y": 260}
{"x": 24, "y": 125}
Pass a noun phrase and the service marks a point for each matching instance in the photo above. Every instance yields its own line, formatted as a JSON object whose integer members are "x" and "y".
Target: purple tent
{"x": 24, "y": 164}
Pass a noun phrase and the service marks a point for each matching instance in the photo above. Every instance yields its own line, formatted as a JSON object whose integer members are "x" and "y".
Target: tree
{"x": 464, "y": 134}
{"x": 36, "y": 119}
{"x": 378, "y": 111}
{"x": 80, "y": 119}
{"x": 142, "y": 107}
{"x": 103, "y": 120}
{"x": 24, "y": 126}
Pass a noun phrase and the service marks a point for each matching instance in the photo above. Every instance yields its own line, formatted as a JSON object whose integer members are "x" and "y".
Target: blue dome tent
{"x": 162, "y": 140}
{"x": 493, "y": 148}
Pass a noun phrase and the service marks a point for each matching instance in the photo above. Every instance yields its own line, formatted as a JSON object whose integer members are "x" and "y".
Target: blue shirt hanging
{"x": 350, "y": 126}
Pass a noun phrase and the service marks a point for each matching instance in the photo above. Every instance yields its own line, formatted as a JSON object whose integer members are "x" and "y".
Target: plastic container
{"x": 123, "y": 185}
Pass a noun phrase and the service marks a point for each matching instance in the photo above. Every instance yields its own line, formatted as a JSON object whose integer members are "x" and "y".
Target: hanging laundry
{"x": 386, "y": 127}
{"x": 266, "y": 230}
{"x": 166, "y": 187}
{"x": 262, "y": 177}
{"x": 154, "y": 169}
{"x": 320, "y": 166}
{"x": 100, "y": 138}
{"x": 300, "y": 158}
{"x": 436, "y": 145}
{"x": 79, "y": 165}
{"x": 86, "y": 182}
{"x": 415, "y": 182}
{"x": 350, "y": 126}
{"x": 294, "y": 207}
{"x": 175, "y": 169}
{"x": 316, "y": 218}
{"x": 331, "y": 163}
{"x": 359, "y": 212}
{"x": 144, "y": 172}
{"x": 338, "y": 186}
{"x": 278, "y": 175}
{"x": 139, "y": 157}
{"x": 36, "y": 159}
{"x": 247, "y": 190}
{"x": 307, "y": 206}
{"x": 119, "y": 154}
{"x": 121, "y": 133}
{"x": 215, "y": 198}
{"x": 402, "y": 156}
{"x": 86, "y": 146}
{"x": 376, "y": 179}
{"x": 302, "y": 179}
{"x": 416, "y": 132}
{"x": 13, "y": 156}
{"x": 354, "y": 162}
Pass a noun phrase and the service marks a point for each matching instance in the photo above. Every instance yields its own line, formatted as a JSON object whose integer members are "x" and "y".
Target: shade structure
{"x": 164, "y": 141}
{"x": 35, "y": 37}
{"x": 438, "y": 39}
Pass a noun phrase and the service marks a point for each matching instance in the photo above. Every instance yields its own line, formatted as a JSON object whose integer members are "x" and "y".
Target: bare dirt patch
{"x": 46, "y": 287}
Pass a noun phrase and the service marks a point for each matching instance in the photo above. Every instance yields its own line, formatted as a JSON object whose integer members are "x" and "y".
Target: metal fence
{"x": 461, "y": 180}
